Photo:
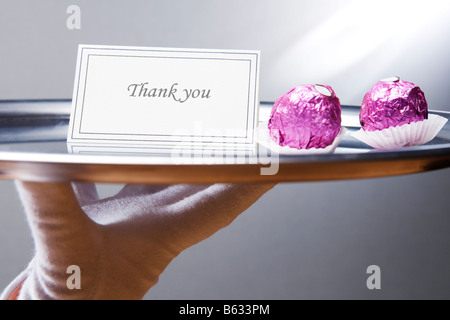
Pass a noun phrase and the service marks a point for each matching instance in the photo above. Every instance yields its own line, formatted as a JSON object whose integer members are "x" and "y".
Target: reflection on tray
{"x": 181, "y": 154}
{"x": 175, "y": 151}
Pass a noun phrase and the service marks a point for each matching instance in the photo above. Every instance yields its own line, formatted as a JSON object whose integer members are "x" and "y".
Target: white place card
{"x": 140, "y": 96}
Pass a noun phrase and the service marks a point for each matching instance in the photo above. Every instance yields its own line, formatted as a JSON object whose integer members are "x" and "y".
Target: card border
{"x": 252, "y": 110}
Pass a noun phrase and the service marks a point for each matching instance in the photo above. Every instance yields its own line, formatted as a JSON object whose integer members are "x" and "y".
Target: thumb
{"x": 86, "y": 193}
{"x": 197, "y": 217}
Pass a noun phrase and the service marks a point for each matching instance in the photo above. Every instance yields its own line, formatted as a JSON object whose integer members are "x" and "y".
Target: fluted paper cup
{"x": 407, "y": 135}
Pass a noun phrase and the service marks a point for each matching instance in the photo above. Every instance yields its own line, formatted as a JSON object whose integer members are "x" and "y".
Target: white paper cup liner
{"x": 264, "y": 139}
{"x": 408, "y": 135}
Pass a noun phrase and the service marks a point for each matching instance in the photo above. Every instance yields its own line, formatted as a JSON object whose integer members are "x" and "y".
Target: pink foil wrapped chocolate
{"x": 391, "y": 103}
{"x": 308, "y": 116}
{"x": 394, "y": 114}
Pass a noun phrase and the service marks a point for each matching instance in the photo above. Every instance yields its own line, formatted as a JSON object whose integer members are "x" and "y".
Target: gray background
{"x": 300, "y": 241}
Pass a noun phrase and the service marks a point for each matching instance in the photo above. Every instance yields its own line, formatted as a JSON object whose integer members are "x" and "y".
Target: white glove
{"x": 120, "y": 244}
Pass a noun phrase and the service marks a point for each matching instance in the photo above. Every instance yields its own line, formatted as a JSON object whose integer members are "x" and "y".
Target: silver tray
{"x": 33, "y": 147}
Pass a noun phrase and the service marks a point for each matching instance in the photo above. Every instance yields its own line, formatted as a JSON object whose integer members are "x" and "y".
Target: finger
{"x": 130, "y": 190}
{"x": 104, "y": 211}
{"x": 197, "y": 217}
{"x": 144, "y": 198}
{"x": 138, "y": 201}
{"x": 86, "y": 193}
{"x": 129, "y": 202}
{"x": 175, "y": 193}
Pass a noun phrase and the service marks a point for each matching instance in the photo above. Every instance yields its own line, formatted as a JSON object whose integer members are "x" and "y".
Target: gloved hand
{"x": 120, "y": 244}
